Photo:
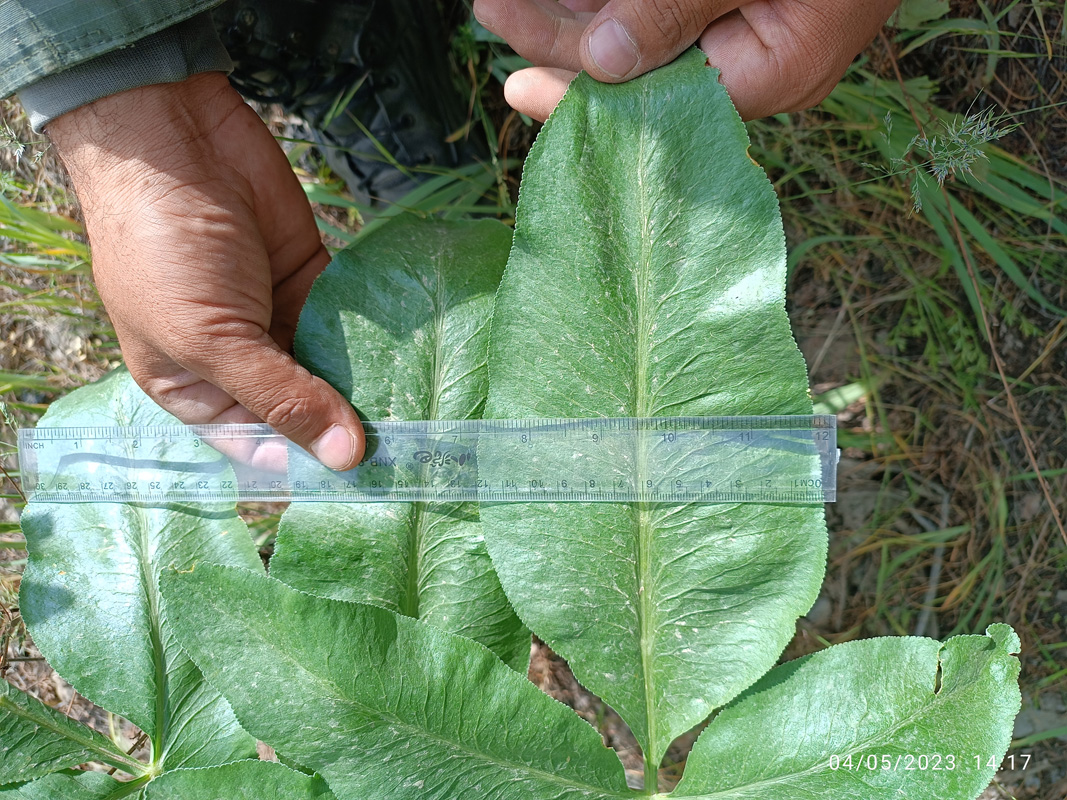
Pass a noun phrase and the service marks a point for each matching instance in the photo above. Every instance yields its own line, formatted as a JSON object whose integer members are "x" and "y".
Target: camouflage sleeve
{"x": 169, "y": 55}
{"x": 42, "y": 38}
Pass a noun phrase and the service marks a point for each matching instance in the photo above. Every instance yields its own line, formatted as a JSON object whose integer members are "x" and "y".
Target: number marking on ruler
{"x": 770, "y": 459}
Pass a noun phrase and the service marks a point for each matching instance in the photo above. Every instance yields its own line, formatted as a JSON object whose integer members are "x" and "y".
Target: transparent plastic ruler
{"x": 770, "y": 459}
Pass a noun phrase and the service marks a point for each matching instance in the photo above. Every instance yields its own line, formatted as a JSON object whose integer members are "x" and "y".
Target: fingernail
{"x": 335, "y": 447}
{"x": 483, "y": 15}
{"x": 612, "y": 49}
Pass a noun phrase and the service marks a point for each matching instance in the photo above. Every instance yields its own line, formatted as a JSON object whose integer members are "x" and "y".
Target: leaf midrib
{"x": 642, "y": 511}
{"x": 412, "y": 601}
{"x": 155, "y": 634}
{"x": 115, "y": 758}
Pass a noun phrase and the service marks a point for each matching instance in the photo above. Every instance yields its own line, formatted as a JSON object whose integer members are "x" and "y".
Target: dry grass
{"x": 943, "y": 526}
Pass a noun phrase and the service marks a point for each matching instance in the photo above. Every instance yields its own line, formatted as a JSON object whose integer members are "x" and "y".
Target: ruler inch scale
{"x": 743, "y": 459}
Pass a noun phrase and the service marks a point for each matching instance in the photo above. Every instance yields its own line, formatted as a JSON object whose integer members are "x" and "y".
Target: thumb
{"x": 297, "y": 404}
{"x": 630, "y": 37}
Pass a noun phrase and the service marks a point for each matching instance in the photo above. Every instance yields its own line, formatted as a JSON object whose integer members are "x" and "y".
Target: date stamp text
{"x": 923, "y": 762}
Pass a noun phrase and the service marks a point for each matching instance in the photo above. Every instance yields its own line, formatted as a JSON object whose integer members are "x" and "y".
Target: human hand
{"x": 204, "y": 249}
{"x": 774, "y": 55}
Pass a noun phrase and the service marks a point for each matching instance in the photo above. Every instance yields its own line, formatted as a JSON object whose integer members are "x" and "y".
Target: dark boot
{"x": 342, "y": 65}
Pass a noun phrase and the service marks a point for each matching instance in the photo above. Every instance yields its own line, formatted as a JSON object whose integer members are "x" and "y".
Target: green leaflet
{"x": 242, "y": 780}
{"x": 399, "y": 323}
{"x": 73, "y": 786}
{"x": 91, "y": 600}
{"x": 379, "y": 704}
{"x": 871, "y": 706}
{"x": 36, "y": 740}
{"x": 647, "y": 279}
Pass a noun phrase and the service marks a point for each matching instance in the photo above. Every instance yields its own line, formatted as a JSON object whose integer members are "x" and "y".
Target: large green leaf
{"x": 378, "y": 704}
{"x": 399, "y": 323}
{"x": 881, "y": 718}
{"x": 242, "y": 780}
{"x": 647, "y": 279}
{"x": 90, "y": 594}
{"x": 36, "y": 740}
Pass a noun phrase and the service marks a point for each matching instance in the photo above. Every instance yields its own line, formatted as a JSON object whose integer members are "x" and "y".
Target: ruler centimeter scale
{"x": 767, "y": 459}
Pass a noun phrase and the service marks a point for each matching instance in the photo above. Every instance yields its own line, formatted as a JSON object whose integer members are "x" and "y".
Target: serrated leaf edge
{"x": 404, "y": 620}
{"x": 859, "y": 747}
